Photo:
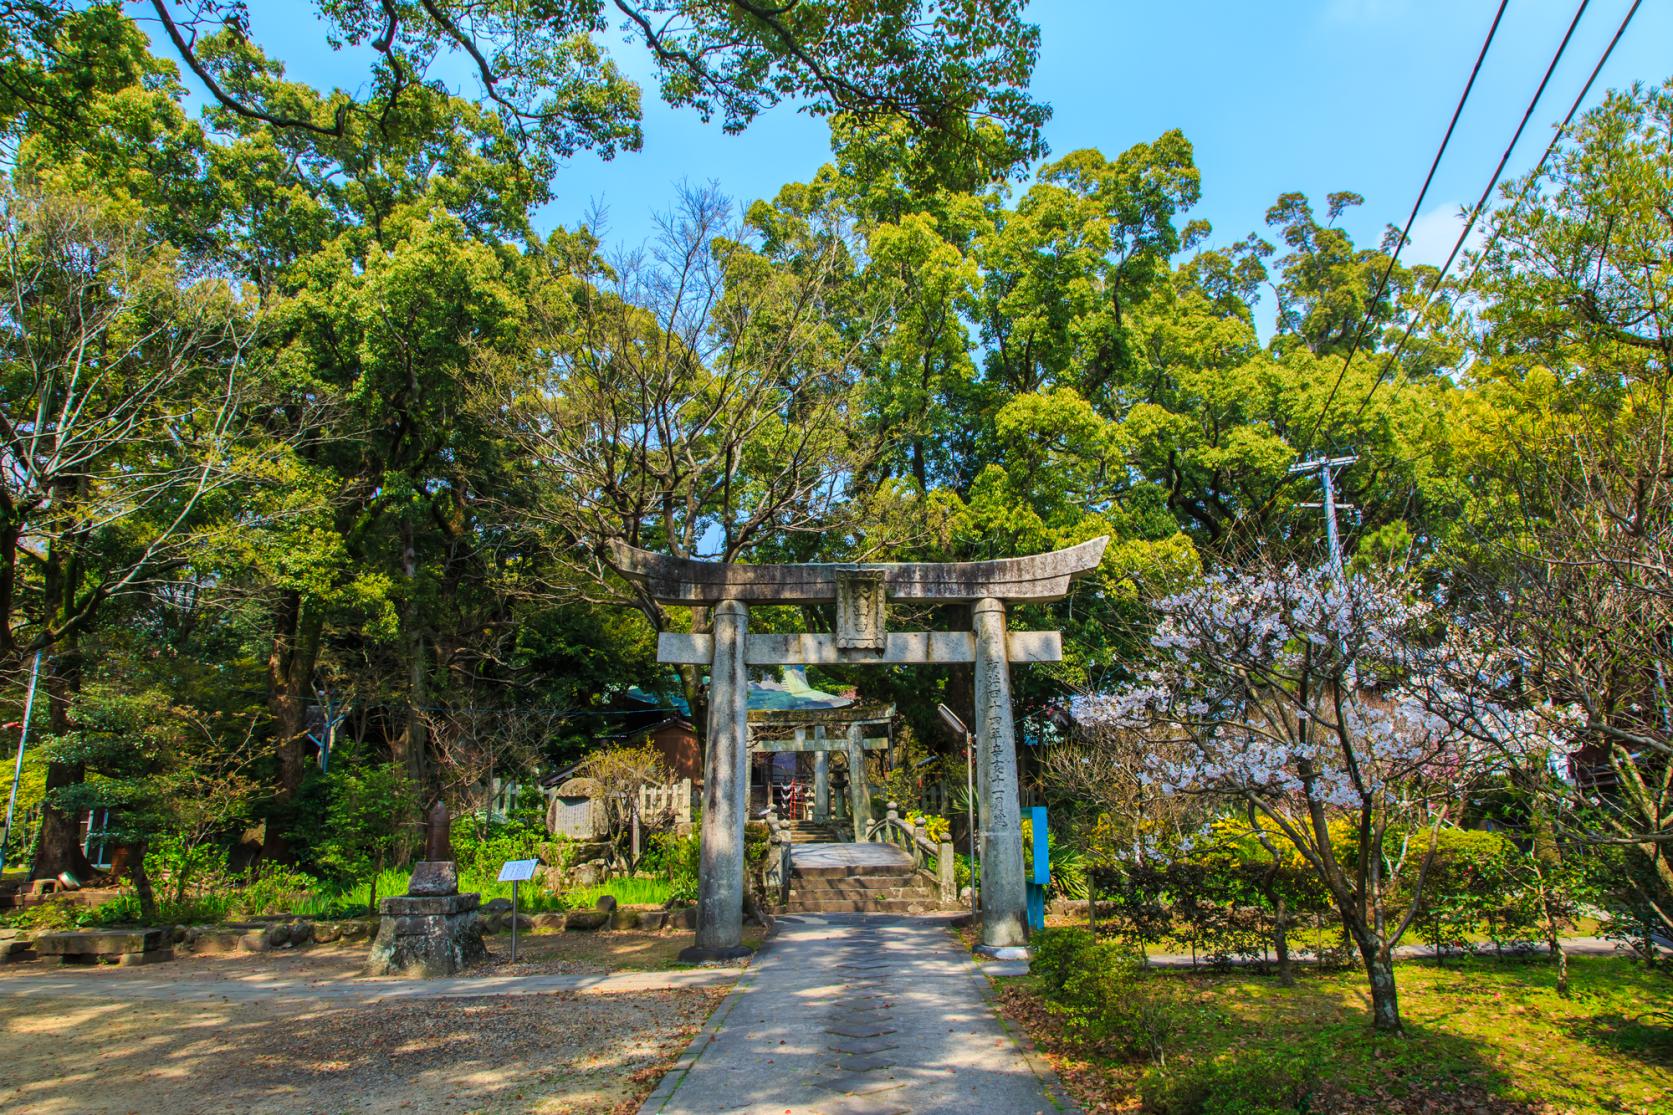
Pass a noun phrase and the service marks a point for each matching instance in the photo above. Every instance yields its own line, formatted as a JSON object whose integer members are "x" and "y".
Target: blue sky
{"x": 1315, "y": 96}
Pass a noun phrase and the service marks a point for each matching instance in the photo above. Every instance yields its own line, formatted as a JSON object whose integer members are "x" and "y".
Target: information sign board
{"x": 518, "y": 870}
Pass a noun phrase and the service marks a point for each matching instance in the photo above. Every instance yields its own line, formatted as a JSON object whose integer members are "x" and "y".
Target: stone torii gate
{"x": 778, "y": 730}
{"x": 860, "y": 593}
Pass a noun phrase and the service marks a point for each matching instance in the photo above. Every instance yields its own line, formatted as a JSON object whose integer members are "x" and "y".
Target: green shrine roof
{"x": 790, "y": 691}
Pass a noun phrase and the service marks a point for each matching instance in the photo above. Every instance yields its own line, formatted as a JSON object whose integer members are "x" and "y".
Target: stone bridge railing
{"x": 915, "y": 841}
{"x": 892, "y": 829}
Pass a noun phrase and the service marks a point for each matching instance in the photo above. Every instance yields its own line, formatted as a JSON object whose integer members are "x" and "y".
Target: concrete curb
{"x": 675, "y": 1076}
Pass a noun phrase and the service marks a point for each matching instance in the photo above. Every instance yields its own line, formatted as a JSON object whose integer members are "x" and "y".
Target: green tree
{"x": 121, "y": 380}
{"x": 1565, "y": 439}
{"x": 368, "y": 813}
{"x": 952, "y": 69}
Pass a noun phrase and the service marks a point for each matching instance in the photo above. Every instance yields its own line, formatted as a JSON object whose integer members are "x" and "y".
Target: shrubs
{"x": 277, "y": 889}
{"x": 1243, "y": 1082}
{"x": 53, "y": 914}
{"x": 936, "y": 827}
{"x": 676, "y": 858}
{"x": 482, "y": 853}
{"x": 1105, "y": 994}
{"x": 1056, "y": 951}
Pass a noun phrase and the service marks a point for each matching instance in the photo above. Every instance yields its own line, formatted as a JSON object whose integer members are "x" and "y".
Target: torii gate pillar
{"x": 821, "y": 781}
{"x": 720, "y": 877}
{"x": 1004, "y": 895}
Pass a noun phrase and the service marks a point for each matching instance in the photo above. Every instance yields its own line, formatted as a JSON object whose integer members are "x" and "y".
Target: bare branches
{"x": 693, "y": 401}
{"x": 123, "y": 390}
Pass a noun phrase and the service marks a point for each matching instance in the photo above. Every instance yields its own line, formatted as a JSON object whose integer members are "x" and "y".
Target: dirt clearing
{"x": 535, "y": 1053}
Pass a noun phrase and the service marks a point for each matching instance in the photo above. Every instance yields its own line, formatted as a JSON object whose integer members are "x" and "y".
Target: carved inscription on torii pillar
{"x": 861, "y": 594}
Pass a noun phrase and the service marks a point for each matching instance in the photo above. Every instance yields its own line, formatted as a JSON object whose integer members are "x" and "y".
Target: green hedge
{"x": 1104, "y": 992}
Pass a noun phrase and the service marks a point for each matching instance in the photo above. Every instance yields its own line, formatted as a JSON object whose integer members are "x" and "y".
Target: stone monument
{"x": 432, "y": 930}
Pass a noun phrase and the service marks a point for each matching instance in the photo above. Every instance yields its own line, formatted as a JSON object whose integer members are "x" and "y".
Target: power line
{"x": 1556, "y": 138}
{"x": 1481, "y": 203}
{"x": 1405, "y": 232}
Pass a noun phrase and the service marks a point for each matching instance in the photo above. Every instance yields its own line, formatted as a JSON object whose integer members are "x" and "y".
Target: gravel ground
{"x": 294, "y": 1051}
{"x": 538, "y": 1053}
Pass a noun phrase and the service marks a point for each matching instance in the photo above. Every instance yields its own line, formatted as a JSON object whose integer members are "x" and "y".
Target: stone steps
{"x": 897, "y": 894}
{"x": 809, "y": 832}
{"x": 855, "y": 906}
{"x": 821, "y": 884}
{"x": 871, "y": 888}
{"x": 868, "y": 871}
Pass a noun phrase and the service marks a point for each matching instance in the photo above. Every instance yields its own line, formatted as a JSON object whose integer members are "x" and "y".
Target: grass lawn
{"x": 1309, "y": 937}
{"x": 1482, "y": 1036}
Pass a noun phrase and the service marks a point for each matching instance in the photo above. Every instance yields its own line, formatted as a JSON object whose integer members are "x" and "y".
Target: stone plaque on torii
{"x": 777, "y": 730}
{"x": 860, "y": 593}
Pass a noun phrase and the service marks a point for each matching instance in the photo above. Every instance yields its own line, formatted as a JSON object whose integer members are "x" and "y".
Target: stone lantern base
{"x": 427, "y": 936}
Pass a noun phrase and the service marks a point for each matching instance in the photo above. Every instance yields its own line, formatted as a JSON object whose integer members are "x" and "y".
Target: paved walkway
{"x": 858, "y": 1013}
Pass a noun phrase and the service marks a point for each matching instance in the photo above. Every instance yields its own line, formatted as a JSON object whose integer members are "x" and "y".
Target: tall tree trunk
{"x": 1281, "y": 941}
{"x": 290, "y": 667}
{"x": 410, "y": 747}
{"x": 60, "y": 847}
{"x": 1546, "y": 851}
{"x": 142, "y": 887}
{"x": 1559, "y": 954}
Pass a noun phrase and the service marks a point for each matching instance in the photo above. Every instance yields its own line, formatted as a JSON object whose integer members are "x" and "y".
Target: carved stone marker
{"x": 1004, "y": 926}
{"x": 860, "y": 608}
{"x": 432, "y": 930}
{"x": 438, "y": 833}
{"x": 433, "y": 877}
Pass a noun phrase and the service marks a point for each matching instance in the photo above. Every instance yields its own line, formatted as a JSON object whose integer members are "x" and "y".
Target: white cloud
{"x": 1435, "y": 231}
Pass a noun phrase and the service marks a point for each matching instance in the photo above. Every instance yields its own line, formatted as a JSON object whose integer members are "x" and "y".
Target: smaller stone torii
{"x": 860, "y": 593}
{"x": 810, "y": 730}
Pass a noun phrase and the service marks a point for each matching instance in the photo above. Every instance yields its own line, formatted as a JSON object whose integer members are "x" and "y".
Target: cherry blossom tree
{"x": 1329, "y": 706}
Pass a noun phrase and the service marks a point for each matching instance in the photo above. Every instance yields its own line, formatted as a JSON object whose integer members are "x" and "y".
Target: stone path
{"x": 858, "y": 1013}
{"x": 279, "y": 989}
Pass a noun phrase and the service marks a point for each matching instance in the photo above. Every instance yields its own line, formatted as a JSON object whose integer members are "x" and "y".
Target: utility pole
{"x": 1327, "y": 467}
{"x": 22, "y": 742}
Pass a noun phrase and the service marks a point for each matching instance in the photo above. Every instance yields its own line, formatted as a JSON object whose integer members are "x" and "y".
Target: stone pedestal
{"x": 427, "y": 935}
